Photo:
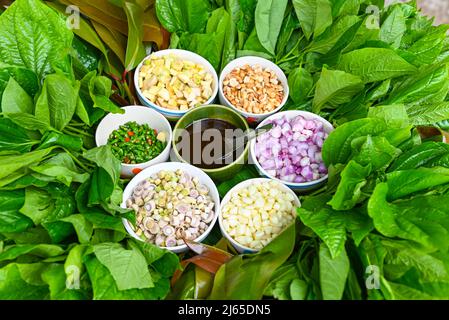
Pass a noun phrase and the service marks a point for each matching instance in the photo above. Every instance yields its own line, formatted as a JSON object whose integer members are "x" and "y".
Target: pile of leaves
{"x": 341, "y": 57}
{"x": 378, "y": 229}
{"x": 384, "y": 211}
{"x": 122, "y": 32}
{"x": 61, "y": 230}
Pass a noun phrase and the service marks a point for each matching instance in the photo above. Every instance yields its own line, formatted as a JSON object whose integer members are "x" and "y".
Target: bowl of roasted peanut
{"x": 253, "y": 86}
{"x": 175, "y": 81}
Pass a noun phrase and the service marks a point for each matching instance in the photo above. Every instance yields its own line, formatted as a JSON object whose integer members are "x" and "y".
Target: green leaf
{"x": 105, "y": 178}
{"x": 58, "y": 231}
{"x": 82, "y": 227}
{"x": 331, "y": 226}
{"x": 300, "y": 82}
{"x": 10, "y": 164}
{"x": 288, "y": 29}
{"x": 13, "y": 137}
{"x": 57, "y": 102}
{"x": 422, "y": 219}
{"x": 15, "y": 99}
{"x": 73, "y": 265}
{"x": 246, "y": 21}
{"x": 37, "y": 235}
{"x": 103, "y": 235}
{"x": 413, "y": 273}
{"x": 206, "y": 45}
{"x": 104, "y": 158}
{"x": 185, "y": 16}
{"x": 94, "y": 93}
{"x": 48, "y": 205}
{"x": 366, "y": 32}
{"x": 12, "y": 178}
{"x": 427, "y": 114}
{"x": 376, "y": 152}
{"x": 298, "y": 289}
{"x": 104, "y": 286}
{"x": 314, "y": 15}
{"x": 375, "y": 64}
{"x": 333, "y": 273}
{"x": 406, "y": 182}
{"x": 104, "y": 221}
{"x": 335, "y": 87}
{"x": 428, "y": 48}
{"x": 424, "y": 155}
{"x": 185, "y": 287}
{"x": 135, "y": 51}
{"x": 337, "y": 147}
{"x": 247, "y": 276}
{"x": 429, "y": 85}
{"x": 40, "y": 250}
{"x": 269, "y": 15}
{"x": 163, "y": 261}
{"x": 128, "y": 267}
{"x": 220, "y": 25}
{"x": 339, "y": 34}
{"x": 62, "y": 168}
{"x": 380, "y": 91}
{"x": 394, "y": 27}
{"x": 56, "y": 279}
{"x": 28, "y": 121}
{"x": 230, "y": 29}
{"x": 81, "y": 112}
{"x": 394, "y": 115}
{"x": 14, "y": 287}
{"x": 10, "y": 218}
{"x": 101, "y": 187}
{"x": 37, "y": 205}
{"x": 85, "y": 58}
{"x": 26, "y": 78}
{"x": 35, "y": 37}
{"x": 68, "y": 142}
{"x": 349, "y": 191}
{"x": 279, "y": 286}
{"x": 103, "y": 103}
{"x": 254, "y": 47}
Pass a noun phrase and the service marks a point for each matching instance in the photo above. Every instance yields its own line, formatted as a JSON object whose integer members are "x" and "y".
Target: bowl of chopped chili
{"x": 139, "y": 138}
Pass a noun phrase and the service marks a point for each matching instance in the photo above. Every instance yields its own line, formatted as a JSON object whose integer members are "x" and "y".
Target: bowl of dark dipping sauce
{"x": 211, "y": 138}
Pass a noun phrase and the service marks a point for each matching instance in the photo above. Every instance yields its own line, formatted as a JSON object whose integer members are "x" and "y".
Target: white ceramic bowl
{"x": 173, "y": 166}
{"x": 174, "y": 115}
{"x": 250, "y": 60}
{"x": 141, "y": 115}
{"x": 297, "y": 187}
{"x": 244, "y": 185}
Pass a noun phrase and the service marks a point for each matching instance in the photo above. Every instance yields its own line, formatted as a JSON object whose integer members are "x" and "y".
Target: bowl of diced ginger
{"x": 175, "y": 81}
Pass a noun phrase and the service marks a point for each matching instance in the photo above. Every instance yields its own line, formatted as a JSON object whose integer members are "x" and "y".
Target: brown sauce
{"x": 205, "y": 141}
